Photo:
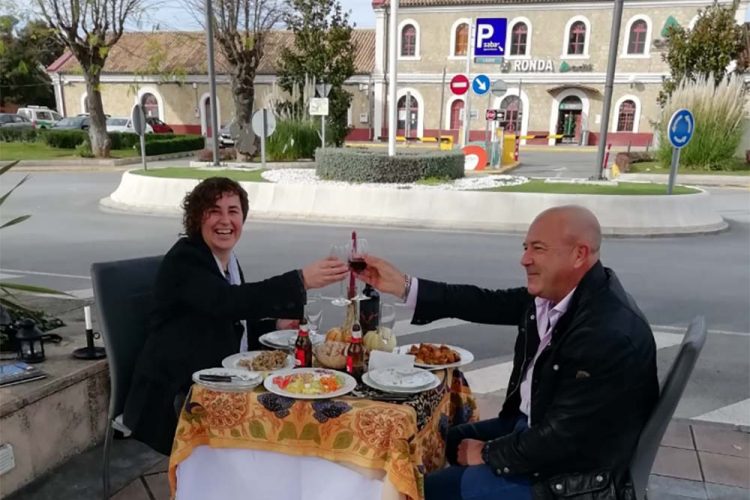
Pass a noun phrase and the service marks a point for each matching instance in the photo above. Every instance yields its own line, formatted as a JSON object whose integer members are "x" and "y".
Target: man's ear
{"x": 582, "y": 253}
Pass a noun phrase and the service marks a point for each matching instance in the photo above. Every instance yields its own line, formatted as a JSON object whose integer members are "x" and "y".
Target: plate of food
{"x": 310, "y": 383}
{"x": 228, "y": 379}
{"x": 367, "y": 380}
{"x": 406, "y": 378}
{"x": 284, "y": 339}
{"x": 259, "y": 361}
{"x": 437, "y": 356}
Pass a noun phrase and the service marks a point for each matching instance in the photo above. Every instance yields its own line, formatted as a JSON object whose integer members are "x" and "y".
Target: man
{"x": 584, "y": 371}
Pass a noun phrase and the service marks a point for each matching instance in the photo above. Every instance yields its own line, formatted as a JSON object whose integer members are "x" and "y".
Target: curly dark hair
{"x": 203, "y": 197}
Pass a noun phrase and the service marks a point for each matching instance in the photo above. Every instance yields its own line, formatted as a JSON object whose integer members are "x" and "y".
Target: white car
{"x": 119, "y": 124}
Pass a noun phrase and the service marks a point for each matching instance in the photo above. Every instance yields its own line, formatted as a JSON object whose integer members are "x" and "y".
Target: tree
{"x": 715, "y": 41}
{"x": 24, "y": 54}
{"x": 89, "y": 28}
{"x": 322, "y": 50}
{"x": 241, "y": 30}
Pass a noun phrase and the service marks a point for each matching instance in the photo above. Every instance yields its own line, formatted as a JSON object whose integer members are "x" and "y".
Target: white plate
{"x": 244, "y": 380}
{"x": 233, "y": 361}
{"x": 402, "y": 378}
{"x": 466, "y": 356}
{"x": 368, "y": 381}
{"x": 284, "y": 339}
{"x": 347, "y": 380}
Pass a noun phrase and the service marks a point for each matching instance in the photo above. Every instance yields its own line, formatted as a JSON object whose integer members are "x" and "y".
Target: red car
{"x": 159, "y": 126}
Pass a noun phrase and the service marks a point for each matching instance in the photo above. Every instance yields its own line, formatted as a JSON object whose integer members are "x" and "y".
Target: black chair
{"x": 123, "y": 291}
{"x": 671, "y": 392}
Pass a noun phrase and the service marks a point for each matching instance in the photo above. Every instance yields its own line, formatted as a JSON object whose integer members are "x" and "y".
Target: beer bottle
{"x": 302, "y": 347}
{"x": 369, "y": 310}
{"x": 355, "y": 353}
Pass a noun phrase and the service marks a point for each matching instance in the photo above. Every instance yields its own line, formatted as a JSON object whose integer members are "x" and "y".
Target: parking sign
{"x": 490, "y": 37}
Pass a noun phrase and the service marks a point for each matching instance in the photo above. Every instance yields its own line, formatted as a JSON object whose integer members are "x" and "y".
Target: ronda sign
{"x": 542, "y": 66}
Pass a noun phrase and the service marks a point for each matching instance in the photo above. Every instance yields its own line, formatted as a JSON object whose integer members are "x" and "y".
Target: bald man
{"x": 584, "y": 371}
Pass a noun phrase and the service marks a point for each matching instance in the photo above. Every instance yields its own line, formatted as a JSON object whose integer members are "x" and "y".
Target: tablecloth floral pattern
{"x": 405, "y": 440}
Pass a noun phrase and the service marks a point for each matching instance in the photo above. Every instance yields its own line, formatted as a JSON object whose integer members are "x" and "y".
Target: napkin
{"x": 382, "y": 359}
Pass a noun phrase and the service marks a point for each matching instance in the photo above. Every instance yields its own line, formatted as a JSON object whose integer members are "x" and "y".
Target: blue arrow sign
{"x": 680, "y": 128}
{"x": 480, "y": 84}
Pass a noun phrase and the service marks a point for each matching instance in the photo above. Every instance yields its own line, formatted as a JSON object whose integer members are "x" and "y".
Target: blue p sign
{"x": 490, "y": 37}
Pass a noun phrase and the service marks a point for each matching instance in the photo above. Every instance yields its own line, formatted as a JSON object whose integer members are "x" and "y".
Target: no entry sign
{"x": 459, "y": 84}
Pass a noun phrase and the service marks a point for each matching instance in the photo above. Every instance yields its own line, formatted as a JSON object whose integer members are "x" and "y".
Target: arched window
{"x": 150, "y": 105}
{"x": 408, "y": 40}
{"x": 626, "y": 117}
{"x": 412, "y": 115}
{"x": 457, "y": 114}
{"x": 637, "y": 38}
{"x": 518, "y": 40}
{"x": 577, "y": 38}
{"x": 461, "y": 44}
{"x": 512, "y": 107}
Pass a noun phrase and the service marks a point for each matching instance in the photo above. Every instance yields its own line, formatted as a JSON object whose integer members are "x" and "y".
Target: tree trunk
{"x": 243, "y": 95}
{"x": 100, "y": 143}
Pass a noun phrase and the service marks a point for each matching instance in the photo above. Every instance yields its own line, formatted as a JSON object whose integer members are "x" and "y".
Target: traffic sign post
{"x": 319, "y": 107}
{"x": 680, "y": 130}
{"x": 138, "y": 117}
{"x": 264, "y": 124}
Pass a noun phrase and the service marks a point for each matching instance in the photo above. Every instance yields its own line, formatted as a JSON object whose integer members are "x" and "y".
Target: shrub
{"x": 718, "y": 111}
{"x": 359, "y": 165}
{"x": 224, "y": 154}
{"x": 123, "y": 140}
{"x": 10, "y": 134}
{"x": 84, "y": 150}
{"x": 292, "y": 140}
{"x": 174, "y": 144}
{"x": 64, "y": 139}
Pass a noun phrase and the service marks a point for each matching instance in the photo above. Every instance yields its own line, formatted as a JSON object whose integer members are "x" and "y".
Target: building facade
{"x": 556, "y": 54}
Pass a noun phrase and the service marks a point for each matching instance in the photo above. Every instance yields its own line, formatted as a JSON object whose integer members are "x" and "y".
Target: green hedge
{"x": 360, "y": 165}
{"x": 11, "y": 134}
{"x": 174, "y": 144}
{"x": 64, "y": 139}
{"x": 292, "y": 140}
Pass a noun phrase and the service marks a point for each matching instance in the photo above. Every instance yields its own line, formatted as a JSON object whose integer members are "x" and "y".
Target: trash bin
{"x": 584, "y": 138}
{"x": 509, "y": 149}
{"x": 446, "y": 142}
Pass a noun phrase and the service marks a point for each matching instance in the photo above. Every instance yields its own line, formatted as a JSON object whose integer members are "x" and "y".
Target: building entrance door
{"x": 569, "y": 118}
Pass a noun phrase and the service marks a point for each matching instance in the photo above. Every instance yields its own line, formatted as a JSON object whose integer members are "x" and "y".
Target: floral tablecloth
{"x": 404, "y": 439}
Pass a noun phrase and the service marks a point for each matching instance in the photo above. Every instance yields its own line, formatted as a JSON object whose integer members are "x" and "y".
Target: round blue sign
{"x": 480, "y": 84}
{"x": 680, "y": 128}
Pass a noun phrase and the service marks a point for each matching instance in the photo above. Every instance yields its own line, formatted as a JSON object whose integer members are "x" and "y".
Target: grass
{"x": 40, "y": 151}
{"x": 738, "y": 167}
{"x": 203, "y": 173}
{"x": 433, "y": 181}
{"x": 623, "y": 188}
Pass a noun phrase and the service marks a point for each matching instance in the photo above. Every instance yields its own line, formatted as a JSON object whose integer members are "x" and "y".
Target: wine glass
{"x": 357, "y": 250}
{"x": 341, "y": 252}
{"x": 314, "y": 315}
{"x": 387, "y": 322}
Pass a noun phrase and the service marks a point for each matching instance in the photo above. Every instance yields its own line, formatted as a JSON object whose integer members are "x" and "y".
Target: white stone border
{"x": 457, "y": 210}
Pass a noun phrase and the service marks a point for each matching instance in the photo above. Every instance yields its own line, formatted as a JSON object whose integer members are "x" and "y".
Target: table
{"x": 371, "y": 446}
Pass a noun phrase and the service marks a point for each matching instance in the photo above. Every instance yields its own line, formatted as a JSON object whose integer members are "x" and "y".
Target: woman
{"x": 203, "y": 310}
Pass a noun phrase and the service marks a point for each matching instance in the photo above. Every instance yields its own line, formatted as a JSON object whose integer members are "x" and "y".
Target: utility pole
{"x": 614, "y": 41}
{"x": 212, "y": 81}
{"x": 467, "y": 101}
{"x": 392, "y": 77}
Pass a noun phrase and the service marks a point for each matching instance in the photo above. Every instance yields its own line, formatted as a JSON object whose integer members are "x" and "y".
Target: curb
{"x": 636, "y": 216}
{"x": 691, "y": 179}
{"x": 89, "y": 163}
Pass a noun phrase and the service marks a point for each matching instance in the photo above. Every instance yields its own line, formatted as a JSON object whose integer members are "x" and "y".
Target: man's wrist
{"x": 407, "y": 287}
{"x": 486, "y": 453}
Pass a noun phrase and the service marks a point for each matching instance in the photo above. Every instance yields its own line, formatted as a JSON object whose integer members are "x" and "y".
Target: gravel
{"x": 308, "y": 176}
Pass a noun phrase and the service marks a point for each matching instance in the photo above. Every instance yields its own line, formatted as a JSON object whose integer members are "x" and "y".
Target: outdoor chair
{"x": 123, "y": 291}
{"x": 671, "y": 392}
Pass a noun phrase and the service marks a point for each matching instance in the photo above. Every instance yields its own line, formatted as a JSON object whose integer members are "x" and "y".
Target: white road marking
{"x": 736, "y": 414}
{"x": 4, "y": 276}
{"x": 55, "y": 275}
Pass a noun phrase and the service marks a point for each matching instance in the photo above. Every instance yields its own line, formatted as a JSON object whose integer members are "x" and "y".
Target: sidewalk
{"x": 695, "y": 462}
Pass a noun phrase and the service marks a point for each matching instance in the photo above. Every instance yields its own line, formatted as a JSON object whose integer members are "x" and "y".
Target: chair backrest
{"x": 123, "y": 291}
{"x": 674, "y": 385}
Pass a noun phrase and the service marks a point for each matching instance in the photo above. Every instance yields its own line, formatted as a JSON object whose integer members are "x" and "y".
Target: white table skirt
{"x": 228, "y": 473}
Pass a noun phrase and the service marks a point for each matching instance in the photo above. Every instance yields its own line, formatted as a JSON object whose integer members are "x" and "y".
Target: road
{"x": 672, "y": 279}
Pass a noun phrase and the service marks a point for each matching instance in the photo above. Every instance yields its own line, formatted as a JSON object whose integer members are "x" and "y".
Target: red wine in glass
{"x": 357, "y": 264}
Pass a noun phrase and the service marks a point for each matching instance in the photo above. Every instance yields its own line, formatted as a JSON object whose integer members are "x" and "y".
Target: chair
{"x": 674, "y": 385}
{"x": 123, "y": 291}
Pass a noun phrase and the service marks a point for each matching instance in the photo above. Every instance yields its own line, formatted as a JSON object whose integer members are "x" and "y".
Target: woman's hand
{"x": 324, "y": 272}
{"x": 383, "y": 276}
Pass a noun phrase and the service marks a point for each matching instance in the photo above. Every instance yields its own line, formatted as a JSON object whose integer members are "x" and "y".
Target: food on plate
{"x": 431, "y": 354}
{"x": 265, "y": 361}
{"x": 338, "y": 334}
{"x": 309, "y": 383}
{"x": 331, "y": 354}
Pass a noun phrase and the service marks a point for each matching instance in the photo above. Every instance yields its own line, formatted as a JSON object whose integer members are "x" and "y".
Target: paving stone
{"x": 668, "y": 488}
{"x": 489, "y": 405}
{"x": 723, "y": 492}
{"x": 722, "y": 441}
{"x": 133, "y": 491}
{"x": 678, "y": 435}
{"x": 678, "y": 463}
{"x": 159, "y": 485}
{"x": 162, "y": 466}
{"x": 725, "y": 469}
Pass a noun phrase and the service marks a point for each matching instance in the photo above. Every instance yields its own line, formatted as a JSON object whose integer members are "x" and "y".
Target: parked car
{"x": 73, "y": 122}
{"x": 225, "y": 136}
{"x": 124, "y": 124}
{"x": 11, "y": 120}
{"x": 40, "y": 116}
{"x": 159, "y": 126}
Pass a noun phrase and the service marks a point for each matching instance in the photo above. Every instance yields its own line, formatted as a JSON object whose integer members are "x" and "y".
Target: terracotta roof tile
{"x": 185, "y": 51}
{"x": 445, "y": 3}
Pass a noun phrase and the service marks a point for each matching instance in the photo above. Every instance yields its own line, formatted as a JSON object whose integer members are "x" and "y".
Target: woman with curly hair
{"x": 204, "y": 311}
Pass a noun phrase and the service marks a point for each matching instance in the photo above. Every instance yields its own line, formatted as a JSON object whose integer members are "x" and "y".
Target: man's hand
{"x": 383, "y": 276}
{"x": 324, "y": 272}
{"x": 470, "y": 452}
{"x": 287, "y": 324}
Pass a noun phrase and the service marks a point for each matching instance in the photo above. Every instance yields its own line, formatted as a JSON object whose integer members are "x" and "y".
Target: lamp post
{"x": 392, "y": 76}
{"x": 30, "y": 342}
{"x": 212, "y": 82}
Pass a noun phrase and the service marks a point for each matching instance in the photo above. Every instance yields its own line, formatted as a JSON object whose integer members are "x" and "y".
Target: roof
{"x": 136, "y": 52}
{"x": 446, "y": 3}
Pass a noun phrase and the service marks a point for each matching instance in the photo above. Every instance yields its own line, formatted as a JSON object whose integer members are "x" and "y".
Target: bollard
{"x": 606, "y": 158}
{"x": 515, "y": 152}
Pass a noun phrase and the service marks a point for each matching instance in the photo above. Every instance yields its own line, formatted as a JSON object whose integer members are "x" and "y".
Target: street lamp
{"x": 30, "y": 342}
